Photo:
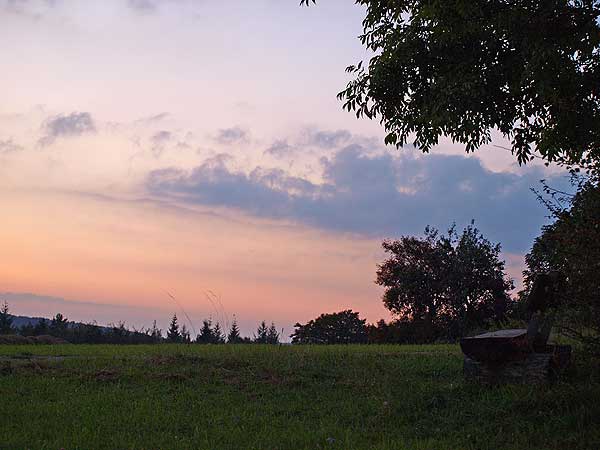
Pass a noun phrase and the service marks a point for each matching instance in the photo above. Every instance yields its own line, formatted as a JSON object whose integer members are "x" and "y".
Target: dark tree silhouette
{"x": 465, "y": 68}
{"x": 41, "y": 328}
{"x": 570, "y": 248}
{"x": 155, "y": 333}
{"x": 234, "y": 337}
{"x": 456, "y": 283}
{"x": 345, "y": 327}
{"x": 206, "y": 335}
{"x": 59, "y": 325}
{"x": 185, "y": 335}
{"x": 218, "y": 336}
{"x": 272, "y": 334}
{"x": 173, "y": 333}
{"x": 262, "y": 333}
{"x": 6, "y": 320}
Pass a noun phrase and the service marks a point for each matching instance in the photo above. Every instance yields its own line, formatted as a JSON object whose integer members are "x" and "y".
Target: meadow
{"x": 280, "y": 397}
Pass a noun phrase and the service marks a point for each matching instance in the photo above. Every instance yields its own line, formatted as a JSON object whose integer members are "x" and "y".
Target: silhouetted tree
{"x": 185, "y": 335}
{"x": 463, "y": 69}
{"x": 234, "y": 337}
{"x": 272, "y": 335}
{"x": 27, "y": 329}
{"x": 119, "y": 333}
{"x": 173, "y": 333}
{"x": 401, "y": 331}
{"x": 205, "y": 336}
{"x": 6, "y": 320}
{"x": 570, "y": 249}
{"x": 41, "y": 328}
{"x": 91, "y": 333}
{"x": 58, "y": 326}
{"x": 155, "y": 333}
{"x": 262, "y": 333}
{"x": 345, "y": 327}
{"x": 218, "y": 336}
{"x": 445, "y": 282}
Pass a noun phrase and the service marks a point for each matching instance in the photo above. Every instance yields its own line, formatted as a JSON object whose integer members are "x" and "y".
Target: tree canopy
{"x": 454, "y": 282}
{"x": 464, "y": 68}
{"x": 571, "y": 247}
{"x": 344, "y": 327}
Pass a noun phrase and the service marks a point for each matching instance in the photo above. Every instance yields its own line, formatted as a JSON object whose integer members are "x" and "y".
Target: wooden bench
{"x": 519, "y": 355}
{"x": 507, "y": 356}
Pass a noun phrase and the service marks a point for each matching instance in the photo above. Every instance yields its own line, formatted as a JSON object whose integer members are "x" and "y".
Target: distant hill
{"x": 20, "y": 321}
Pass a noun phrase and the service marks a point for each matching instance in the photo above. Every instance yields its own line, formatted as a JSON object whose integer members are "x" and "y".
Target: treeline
{"x": 214, "y": 334}
{"x": 92, "y": 333}
{"x": 346, "y": 327}
{"x": 441, "y": 287}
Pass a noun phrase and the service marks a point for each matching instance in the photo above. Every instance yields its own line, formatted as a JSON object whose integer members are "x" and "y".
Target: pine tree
{"x": 234, "y": 336}
{"x": 185, "y": 334}
{"x": 206, "y": 333}
{"x": 218, "y": 336}
{"x": 173, "y": 334}
{"x": 5, "y": 320}
{"x": 272, "y": 335}
{"x": 155, "y": 333}
{"x": 261, "y": 333}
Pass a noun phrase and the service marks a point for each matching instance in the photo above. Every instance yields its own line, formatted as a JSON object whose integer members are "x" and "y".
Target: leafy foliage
{"x": 571, "y": 247}
{"x": 447, "y": 282}
{"x": 345, "y": 327}
{"x": 463, "y": 68}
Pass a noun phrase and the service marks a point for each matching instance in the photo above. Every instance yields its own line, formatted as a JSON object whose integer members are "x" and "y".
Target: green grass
{"x": 269, "y": 397}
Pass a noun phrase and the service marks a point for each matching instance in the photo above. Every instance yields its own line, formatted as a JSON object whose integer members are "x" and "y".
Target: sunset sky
{"x": 154, "y": 146}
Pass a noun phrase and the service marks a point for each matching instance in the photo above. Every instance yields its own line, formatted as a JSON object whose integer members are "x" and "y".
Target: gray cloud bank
{"x": 373, "y": 195}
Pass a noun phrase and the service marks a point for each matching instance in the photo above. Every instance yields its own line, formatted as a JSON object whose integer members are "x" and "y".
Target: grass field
{"x": 270, "y": 397}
